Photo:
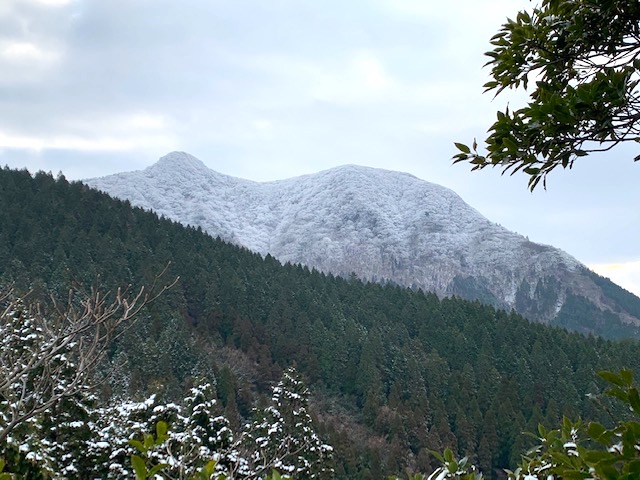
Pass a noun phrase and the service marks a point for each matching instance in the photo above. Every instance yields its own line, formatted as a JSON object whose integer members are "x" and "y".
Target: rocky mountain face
{"x": 383, "y": 226}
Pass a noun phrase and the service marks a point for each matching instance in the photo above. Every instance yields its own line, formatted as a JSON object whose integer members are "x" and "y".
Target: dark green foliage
{"x": 394, "y": 372}
{"x": 577, "y": 450}
{"x": 583, "y": 56}
{"x": 627, "y": 300}
{"x": 473, "y": 288}
{"x": 538, "y": 300}
{"x": 579, "y": 314}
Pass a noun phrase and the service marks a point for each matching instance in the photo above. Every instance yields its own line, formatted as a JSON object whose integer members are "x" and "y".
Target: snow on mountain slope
{"x": 382, "y": 225}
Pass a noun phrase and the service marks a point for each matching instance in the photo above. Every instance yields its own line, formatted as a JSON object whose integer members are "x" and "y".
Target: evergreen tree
{"x": 284, "y": 437}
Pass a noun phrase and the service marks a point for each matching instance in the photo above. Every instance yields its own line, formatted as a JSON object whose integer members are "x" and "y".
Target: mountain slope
{"x": 382, "y": 225}
{"x": 395, "y": 373}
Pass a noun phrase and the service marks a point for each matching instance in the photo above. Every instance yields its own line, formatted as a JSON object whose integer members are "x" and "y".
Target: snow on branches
{"x": 283, "y": 437}
{"x": 48, "y": 354}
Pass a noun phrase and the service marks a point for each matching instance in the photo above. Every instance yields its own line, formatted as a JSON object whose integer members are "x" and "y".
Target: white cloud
{"x": 108, "y": 133}
{"x": 261, "y": 124}
{"x": 361, "y": 78}
{"x": 62, "y": 142}
{"x": 369, "y": 71}
{"x": 264, "y": 129}
{"x": 145, "y": 121}
{"x": 466, "y": 11}
{"x": 18, "y": 51}
{"x": 53, "y": 3}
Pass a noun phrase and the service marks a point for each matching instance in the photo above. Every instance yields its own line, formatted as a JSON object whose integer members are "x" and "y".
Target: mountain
{"x": 383, "y": 226}
{"x": 395, "y": 373}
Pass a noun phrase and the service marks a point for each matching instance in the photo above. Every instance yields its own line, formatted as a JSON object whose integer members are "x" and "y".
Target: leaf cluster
{"x": 142, "y": 464}
{"x": 582, "y": 58}
{"x": 576, "y": 450}
{"x": 580, "y": 450}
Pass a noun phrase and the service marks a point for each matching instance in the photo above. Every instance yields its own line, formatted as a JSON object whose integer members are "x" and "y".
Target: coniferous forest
{"x": 392, "y": 373}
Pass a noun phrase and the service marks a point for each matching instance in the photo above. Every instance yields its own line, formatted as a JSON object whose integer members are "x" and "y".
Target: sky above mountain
{"x": 271, "y": 90}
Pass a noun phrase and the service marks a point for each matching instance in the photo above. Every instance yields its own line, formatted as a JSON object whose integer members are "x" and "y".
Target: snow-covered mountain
{"x": 382, "y": 225}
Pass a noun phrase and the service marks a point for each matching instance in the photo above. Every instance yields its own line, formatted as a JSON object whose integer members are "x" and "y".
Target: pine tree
{"x": 206, "y": 435}
{"x": 284, "y": 438}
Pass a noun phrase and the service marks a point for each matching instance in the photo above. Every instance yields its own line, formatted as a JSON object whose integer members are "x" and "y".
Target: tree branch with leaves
{"x": 583, "y": 59}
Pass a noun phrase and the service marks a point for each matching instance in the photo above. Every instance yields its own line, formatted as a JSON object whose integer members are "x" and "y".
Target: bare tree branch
{"x": 48, "y": 356}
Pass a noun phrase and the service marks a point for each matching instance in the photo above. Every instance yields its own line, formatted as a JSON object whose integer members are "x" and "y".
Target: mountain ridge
{"x": 381, "y": 224}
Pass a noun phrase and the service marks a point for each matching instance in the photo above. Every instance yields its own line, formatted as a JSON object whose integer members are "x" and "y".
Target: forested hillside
{"x": 393, "y": 372}
{"x": 385, "y": 226}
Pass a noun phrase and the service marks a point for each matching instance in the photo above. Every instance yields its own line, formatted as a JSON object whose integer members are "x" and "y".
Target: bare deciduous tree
{"x": 48, "y": 356}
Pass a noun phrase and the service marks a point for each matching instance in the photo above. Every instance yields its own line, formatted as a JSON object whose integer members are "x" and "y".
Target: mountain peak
{"x": 181, "y": 161}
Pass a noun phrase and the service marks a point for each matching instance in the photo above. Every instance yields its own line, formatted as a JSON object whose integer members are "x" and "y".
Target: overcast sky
{"x": 267, "y": 90}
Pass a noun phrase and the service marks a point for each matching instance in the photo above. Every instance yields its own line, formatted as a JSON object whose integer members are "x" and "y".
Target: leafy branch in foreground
{"x": 576, "y": 450}
{"x": 583, "y": 57}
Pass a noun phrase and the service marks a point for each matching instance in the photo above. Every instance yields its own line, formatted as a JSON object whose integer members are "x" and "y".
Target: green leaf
{"x": 608, "y": 471}
{"x": 542, "y": 431}
{"x": 462, "y": 147}
{"x": 208, "y": 470}
{"x": 634, "y": 399}
{"x": 627, "y": 376}
{"x": 275, "y": 475}
{"x": 161, "y": 428}
{"x": 597, "y": 456}
{"x": 633, "y": 467}
{"x": 161, "y": 431}
{"x": 139, "y": 467}
{"x": 448, "y": 455}
{"x": 138, "y": 445}
{"x": 566, "y": 424}
{"x": 156, "y": 469}
{"x": 510, "y": 144}
{"x": 439, "y": 457}
{"x": 611, "y": 378}
{"x": 618, "y": 393}
{"x": 148, "y": 440}
{"x": 595, "y": 430}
